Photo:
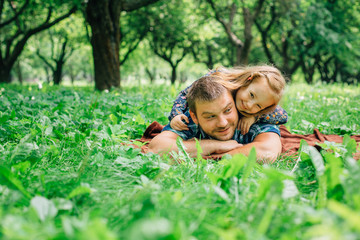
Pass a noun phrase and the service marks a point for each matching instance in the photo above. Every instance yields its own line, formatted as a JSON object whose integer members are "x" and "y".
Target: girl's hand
{"x": 245, "y": 124}
{"x": 177, "y": 123}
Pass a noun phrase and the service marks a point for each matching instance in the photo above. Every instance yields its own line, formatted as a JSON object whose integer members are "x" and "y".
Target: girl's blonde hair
{"x": 235, "y": 78}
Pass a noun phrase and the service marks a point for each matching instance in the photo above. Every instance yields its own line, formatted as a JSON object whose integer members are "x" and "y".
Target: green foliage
{"x": 311, "y": 40}
{"x": 67, "y": 172}
{"x": 335, "y": 107}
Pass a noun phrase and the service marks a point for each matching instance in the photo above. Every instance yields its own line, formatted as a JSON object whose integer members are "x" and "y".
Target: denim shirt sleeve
{"x": 187, "y": 134}
{"x": 180, "y": 105}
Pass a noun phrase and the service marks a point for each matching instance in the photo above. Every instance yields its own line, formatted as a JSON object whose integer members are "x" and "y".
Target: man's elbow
{"x": 269, "y": 154}
{"x": 162, "y": 143}
{"x": 267, "y": 157}
{"x": 155, "y": 146}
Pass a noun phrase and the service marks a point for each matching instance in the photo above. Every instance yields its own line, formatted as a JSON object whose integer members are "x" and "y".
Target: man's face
{"x": 218, "y": 118}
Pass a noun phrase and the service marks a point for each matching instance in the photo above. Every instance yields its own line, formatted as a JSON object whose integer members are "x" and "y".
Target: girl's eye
{"x": 228, "y": 110}
{"x": 259, "y": 106}
{"x": 251, "y": 95}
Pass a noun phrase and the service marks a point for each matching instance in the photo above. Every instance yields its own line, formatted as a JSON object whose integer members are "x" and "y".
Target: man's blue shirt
{"x": 196, "y": 132}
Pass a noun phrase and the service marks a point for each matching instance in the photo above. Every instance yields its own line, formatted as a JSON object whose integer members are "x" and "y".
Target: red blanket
{"x": 290, "y": 142}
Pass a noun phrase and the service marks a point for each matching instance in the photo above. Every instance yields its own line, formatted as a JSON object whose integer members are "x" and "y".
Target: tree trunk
{"x": 151, "y": 74}
{"x": 173, "y": 74}
{"x": 57, "y": 74}
{"x": 19, "y": 73}
{"x": 239, "y": 54}
{"x": 104, "y": 19}
{"x": 5, "y": 75}
{"x": 72, "y": 75}
{"x": 308, "y": 71}
{"x": 210, "y": 61}
{"x": 47, "y": 69}
{"x": 243, "y": 57}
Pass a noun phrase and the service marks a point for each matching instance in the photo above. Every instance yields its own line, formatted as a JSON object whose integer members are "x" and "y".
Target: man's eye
{"x": 259, "y": 106}
{"x": 251, "y": 95}
{"x": 210, "y": 117}
{"x": 228, "y": 110}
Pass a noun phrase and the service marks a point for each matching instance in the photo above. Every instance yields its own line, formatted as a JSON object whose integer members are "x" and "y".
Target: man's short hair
{"x": 205, "y": 89}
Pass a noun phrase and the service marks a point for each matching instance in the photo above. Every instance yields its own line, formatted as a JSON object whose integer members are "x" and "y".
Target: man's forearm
{"x": 263, "y": 155}
{"x": 267, "y": 146}
{"x": 166, "y": 142}
{"x": 210, "y": 146}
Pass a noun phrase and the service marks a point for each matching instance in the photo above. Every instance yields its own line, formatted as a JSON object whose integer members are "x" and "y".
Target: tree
{"x": 19, "y": 21}
{"x": 60, "y": 51}
{"x": 134, "y": 28}
{"x": 103, "y": 17}
{"x": 227, "y": 14}
{"x": 210, "y": 45}
{"x": 171, "y": 33}
{"x": 211, "y": 51}
{"x": 336, "y": 51}
{"x": 278, "y": 23}
{"x": 317, "y": 37}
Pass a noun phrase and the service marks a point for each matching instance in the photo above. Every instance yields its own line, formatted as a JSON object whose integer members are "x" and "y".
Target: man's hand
{"x": 224, "y": 146}
{"x": 267, "y": 145}
{"x": 177, "y": 123}
{"x": 166, "y": 142}
{"x": 245, "y": 124}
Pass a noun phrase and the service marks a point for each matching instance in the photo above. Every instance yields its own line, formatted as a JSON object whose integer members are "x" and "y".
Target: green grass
{"x": 66, "y": 171}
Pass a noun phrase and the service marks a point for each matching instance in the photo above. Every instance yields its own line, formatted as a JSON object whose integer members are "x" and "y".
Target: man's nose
{"x": 222, "y": 122}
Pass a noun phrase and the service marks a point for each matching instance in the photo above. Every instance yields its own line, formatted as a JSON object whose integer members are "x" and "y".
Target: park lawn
{"x": 66, "y": 171}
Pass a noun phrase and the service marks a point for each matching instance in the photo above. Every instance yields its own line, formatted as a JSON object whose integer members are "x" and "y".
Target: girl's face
{"x": 254, "y": 97}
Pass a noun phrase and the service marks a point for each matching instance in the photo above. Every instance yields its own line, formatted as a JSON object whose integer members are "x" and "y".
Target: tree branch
{"x": 258, "y": 8}
{"x": 21, "y": 43}
{"x": 17, "y": 14}
{"x": 163, "y": 56}
{"x": 233, "y": 38}
{"x": 9, "y": 42}
{"x": 232, "y": 13}
{"x": 44, "y": 60}
{"x": 63, "y": 50}
{"x": 2, "y": 2}
{"x": 182, "y": 56}
{"x": 133, "y": 47}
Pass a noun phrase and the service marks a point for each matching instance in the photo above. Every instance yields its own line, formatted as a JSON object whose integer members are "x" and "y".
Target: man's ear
{"x": 193, "y": 116}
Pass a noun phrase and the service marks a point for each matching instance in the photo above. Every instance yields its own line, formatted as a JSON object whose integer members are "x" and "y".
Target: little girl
{"x": 252, "y": 88}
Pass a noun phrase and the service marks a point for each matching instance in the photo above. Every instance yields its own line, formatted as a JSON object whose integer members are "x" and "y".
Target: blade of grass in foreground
{"x": 310, "y": 152}
{"x": 250, "y": 164}
{"x": 14, "y": 181}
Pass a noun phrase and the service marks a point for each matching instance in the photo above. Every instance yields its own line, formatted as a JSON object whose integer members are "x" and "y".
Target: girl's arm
{"x": 278, "y": 116}
{"x": 180, "y": 105}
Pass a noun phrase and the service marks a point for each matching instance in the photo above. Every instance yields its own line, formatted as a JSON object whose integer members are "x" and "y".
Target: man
{"x": 214, "y": 120}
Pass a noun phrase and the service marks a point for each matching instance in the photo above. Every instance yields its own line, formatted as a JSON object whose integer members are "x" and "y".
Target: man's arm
{"x": 267, "y": 145}
{"x": 166, "y": 142}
